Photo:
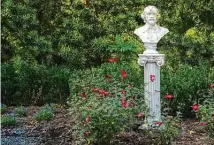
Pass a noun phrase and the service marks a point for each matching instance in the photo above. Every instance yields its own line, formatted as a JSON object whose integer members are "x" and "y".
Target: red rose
{"x": 211, "y": 86}
{"x": 124, "y": 74}
{"x": 89, "y": 107}
{"x": 203, "y": 123}
{"x": 104, "y": 92}
{"x": 111, "y": 60}
{"x": 86, "y": 133}
{"x": 124, "y": 103}
{"x": 195, "y": 107}
{"x": 95, "y": 89}
{"x": 158, "y": 123}
{"x": 123, "y": 92}
{"x": 88, "y": 118}
{"x": 83, "y": 95}
{"x": 152, "y": 78}
{"x": 140, "y": 115}
{"x": 116, "y": 59}
{"x": 168, "y": 96}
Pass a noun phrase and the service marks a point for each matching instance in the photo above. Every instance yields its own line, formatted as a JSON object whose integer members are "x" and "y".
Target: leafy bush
{"x": 33, "y": 84}
{"x": 8, "y": 120}
{"x": 21, "y": 111}
{"x": 45, "y": 114}
{"x": 3, "y": 108}
{"x": 205, "y": 113}
{"x": 187, "y": 84}
{"x": 105, "y": 101}
{"x": 169, "y": 130}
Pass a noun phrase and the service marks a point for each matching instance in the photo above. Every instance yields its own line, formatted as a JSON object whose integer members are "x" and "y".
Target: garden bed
{"x": 59, "y": 131}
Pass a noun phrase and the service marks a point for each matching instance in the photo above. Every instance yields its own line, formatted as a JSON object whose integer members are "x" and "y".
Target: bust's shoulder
{"x": 140, "y": 30}
{"x": 165, "y": 30}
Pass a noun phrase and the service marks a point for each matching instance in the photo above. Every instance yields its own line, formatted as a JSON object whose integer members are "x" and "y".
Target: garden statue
{"x": 150, "y": 34}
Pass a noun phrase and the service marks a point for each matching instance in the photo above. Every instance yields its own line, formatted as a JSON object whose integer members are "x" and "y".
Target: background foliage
{"x": 44, "y": 41}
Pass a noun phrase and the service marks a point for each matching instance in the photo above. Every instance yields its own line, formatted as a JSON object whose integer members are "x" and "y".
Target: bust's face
{"x": 150, "y": 16}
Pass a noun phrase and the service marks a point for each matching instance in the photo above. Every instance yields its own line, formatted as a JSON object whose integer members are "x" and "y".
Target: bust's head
{"x": 149, "y": 15}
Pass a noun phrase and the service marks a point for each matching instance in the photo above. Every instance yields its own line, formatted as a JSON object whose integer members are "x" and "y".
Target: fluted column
{"x": 152, "y": 63}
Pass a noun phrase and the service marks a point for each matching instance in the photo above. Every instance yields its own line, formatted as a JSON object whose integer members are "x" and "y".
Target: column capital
{"x": 151, "y": 58}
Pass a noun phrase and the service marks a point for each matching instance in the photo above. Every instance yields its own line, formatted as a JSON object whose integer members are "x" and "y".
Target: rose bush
{"x": 205, "y": 112}
{"x": 105, "y": 101}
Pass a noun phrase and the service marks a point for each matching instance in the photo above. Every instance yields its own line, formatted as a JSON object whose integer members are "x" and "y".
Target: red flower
{"x": 89, "y": 107}
{"x": 111, "y": 60}
{"x": 158, "y": 123}
{"x": 107, "y": 76}
{"x": 86, "y": 133}
{"x": 124, "y": 74}
{"x": 203, "y": 123}
{"x": 140, "y": 115}
{"x": 116, "y": 59}
{"x": 195, "y": 107}
{"x": 211, "y": 86}
{"x": 152, "y": 78}
{"x": 123, "y": 91}
{"x": 168, "y": 96}
{"x": 88, "y": 118}
{"x": 103, "y": 92}
{"x": 124, "y": 103}
{"x": 83, "y": 95}
{"x": 95, "y": 89}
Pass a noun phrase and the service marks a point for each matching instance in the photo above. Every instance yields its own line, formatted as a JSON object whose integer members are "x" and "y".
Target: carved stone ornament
{"x": 152, "y": 58}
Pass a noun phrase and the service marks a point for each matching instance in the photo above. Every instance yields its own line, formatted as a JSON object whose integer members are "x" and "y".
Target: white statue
{"x": 150, "y": 33}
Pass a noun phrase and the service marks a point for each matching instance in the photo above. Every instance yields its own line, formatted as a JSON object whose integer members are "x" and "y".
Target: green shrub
{"x": 21, "y": 111}
{"x": 205, "y": 113}
{"x": 3, "y": 108}
{"x": 8, "y": 120}
{"x": 45, "y": 114}
{"x": 169, "y": 130}
{"x": 33, "y": 84}
{"x": 187, "y": 84}
{"x": 105, "y": 101}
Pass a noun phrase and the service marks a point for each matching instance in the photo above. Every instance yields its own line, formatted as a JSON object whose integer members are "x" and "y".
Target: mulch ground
{"x": 59, "y": 131}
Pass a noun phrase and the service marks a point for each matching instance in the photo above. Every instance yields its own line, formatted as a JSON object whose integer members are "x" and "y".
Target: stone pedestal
{"x": 152, "y": 63}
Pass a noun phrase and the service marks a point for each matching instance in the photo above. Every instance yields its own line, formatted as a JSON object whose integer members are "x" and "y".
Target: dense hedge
{"x": 24, "y": 84}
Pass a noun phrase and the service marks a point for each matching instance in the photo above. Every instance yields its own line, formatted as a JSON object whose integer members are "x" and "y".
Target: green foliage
{"x": 20, "y": 33}
{"x": 187, "y": 84}
{"x": 8, "y": 120}
{"x": 45, "y": 114}
{"x": 103, "y": 103}
{"x": 3, "y": 108}
{"x": 206, "y": 114}
{"x": 21, "y": 111}
{"x": 33, "y": 84}
{"x": 169, "y": 130}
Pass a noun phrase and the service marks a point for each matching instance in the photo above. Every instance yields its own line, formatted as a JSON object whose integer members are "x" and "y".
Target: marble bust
{"x": 150, "y": 34}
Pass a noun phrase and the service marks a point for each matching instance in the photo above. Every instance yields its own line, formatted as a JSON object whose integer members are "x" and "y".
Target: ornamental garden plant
{"x": 205, "y": 113}
{"x": 105, "y": 102}
{"x": 109, "y": 100}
